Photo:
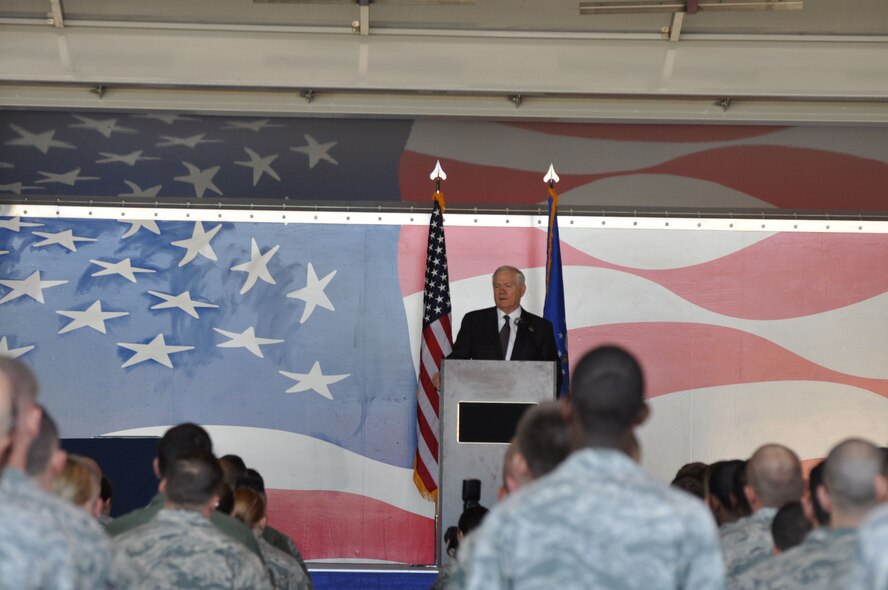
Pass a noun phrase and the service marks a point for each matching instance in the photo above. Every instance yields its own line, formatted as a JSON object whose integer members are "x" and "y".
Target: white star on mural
{"x": 65, "y": 239}
{"x": 198, "y": 243}
{"x": 16, "y": 224}
{"x": 260, "y": 165}
{"x": 316, "y": 151}
{"x": 138, "y": 224}
{"x": 93, "y": 317}
{"x": 16, "y": 188}
{"x": 70, "y": 178}
{"x": 313, "y": 293}
{"x": 105, "y": 127}
{"x": 168, "y": 118}
{"x": 157, "y": 350}
{"x": 256, "y": 125}
{"x": 138, "y": 192}
{"x": 123, "y": 268}
{"x": 181, "y": 301}
{"x": 42, "y": 141}
{"x": 32, "y": 287}
{"x": 189, "y": 142}
{"x": 246, "y": 339}
{"x": 129, "y": 159}
{"x": 257, "y": 267}
{"x": 314, "y": 380}
{"x": 201, "y": 179}
{"x": 13, "y": 352}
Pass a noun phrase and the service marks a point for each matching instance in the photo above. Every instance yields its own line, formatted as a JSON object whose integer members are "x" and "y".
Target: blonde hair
{"x": 76, "y": 483}
{"x": 249, "y": 507}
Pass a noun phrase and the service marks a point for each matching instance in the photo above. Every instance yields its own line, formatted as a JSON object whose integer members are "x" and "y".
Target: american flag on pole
{"x": 437, "y": 342}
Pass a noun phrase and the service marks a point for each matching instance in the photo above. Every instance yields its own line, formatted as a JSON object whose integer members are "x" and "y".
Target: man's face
{"x": 507, "y": 292}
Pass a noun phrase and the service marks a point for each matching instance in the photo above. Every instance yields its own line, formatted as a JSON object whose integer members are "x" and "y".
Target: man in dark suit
{"x": 506, "y": 331}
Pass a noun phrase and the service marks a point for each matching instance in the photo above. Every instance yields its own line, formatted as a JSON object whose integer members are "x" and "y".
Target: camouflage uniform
{"x": 869, "y": 567}
{"x": 747, "y": 542}
{"x": 34, "y": 553}
{"x": 89, "y": 549}
{"x": 228, "y": 525}
{"x": 182, "y": 549}
{"x": 281, "y": 541}
{"x": 285, "y": 572}
{"x": 821, "y": 562}
{"x": 598, "y": 521}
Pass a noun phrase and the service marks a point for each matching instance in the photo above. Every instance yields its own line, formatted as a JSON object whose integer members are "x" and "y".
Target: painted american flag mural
{"x": 297, "y": 343}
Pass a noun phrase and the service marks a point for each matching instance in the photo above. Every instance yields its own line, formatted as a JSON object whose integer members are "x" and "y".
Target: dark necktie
{"x": 504, "y": 336}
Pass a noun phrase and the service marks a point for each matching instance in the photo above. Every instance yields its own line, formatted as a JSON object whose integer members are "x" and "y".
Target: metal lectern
{"x": 481, "y": 403}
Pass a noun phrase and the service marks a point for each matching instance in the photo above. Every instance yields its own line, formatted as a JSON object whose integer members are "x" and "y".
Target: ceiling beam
{"x": 56, "y": 15}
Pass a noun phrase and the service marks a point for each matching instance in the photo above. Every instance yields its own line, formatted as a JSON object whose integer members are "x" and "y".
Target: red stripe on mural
{"x": 788, "y": 177}
{"x": 787, "y": 275}
{"x": 680, "y": 356}
{"x": 340, "y": 525}
{"x": 650, "y": 133}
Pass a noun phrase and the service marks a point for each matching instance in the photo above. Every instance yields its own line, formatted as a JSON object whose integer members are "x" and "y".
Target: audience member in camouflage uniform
{"x": 822, "y": 561}
{"x": 774, "y": 477}
{"x": 598, "y": 521}
{"x": 184, "y": 438}
{"x": 869, "y": 570}
{"x": 88, "y": 548}
{"x": 180, "y": 547}
{"x": 285, "y": 572}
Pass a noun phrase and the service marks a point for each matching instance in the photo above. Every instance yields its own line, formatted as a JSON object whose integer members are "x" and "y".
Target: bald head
{"x": 775, "y": 475}
{"x": 850, "y": 476}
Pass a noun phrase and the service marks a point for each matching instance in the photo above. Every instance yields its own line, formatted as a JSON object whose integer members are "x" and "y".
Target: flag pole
{"x": 554, "y": 309}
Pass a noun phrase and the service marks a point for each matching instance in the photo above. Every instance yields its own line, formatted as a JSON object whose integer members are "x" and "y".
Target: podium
{"x": 480, "y": 406}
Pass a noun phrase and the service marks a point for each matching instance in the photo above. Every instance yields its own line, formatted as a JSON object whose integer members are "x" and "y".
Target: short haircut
{"x": 22, "y": 379}
{"x": 226, "y": 498}
{"x": 192, "y": 479}
{"x": 849, "y": 476}
{"x": 471, "y": 518}
{"x": 790, "y": 526}
{"x": 180, "y": 440}
{"x": 815, "y": 480}
{"x": 251, "y": 480}
{"x": 508, "y": 456}
{"x": 691, "y": 485}
{"x": 43, "y": 446}
{"x": 519, "y": 276}
{"x": 249, "y": 507}
{"x": 234, "y": 468}
{"x": 607, "y": 390}
{"x": 719, "y": 480}
{"x": 7, "y": 406}
{"x": 543, "y": 438}
{"x": 774, "y": 472}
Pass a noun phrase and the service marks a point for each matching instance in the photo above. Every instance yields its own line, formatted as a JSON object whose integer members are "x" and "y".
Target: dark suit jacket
{"x": 478, "y": 339}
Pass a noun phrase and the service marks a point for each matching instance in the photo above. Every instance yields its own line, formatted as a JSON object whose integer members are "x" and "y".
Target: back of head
{"x": 815, "y": 480}
{"x": 43, "y": 447}
{"x": 234, "y": 468}
{"x": 192, "y": 480}
{"x": 7, "y": 417}
{"x": 76, "y": 483}
{"x": 774, "y": 473}
{"x": 21, "y": 379}
{"x": 741, "y": 503}
{"x": 180, "y": 440}
{"x": 543, "y": 437}
{"x": 252, "y": 480}
{"x": 850, "y": 475}
{"x": 249, "y": 507}
{"x": 607, "y": 391}
{"x": 690, "y": 478}
{"x": 719, "y": 482}
{"x": 790, "y": 526}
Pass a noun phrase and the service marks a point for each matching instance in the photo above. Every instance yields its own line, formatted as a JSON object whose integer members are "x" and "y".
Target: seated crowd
{"x": 576, "y": 510}
{"x": 206, "y": 528}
